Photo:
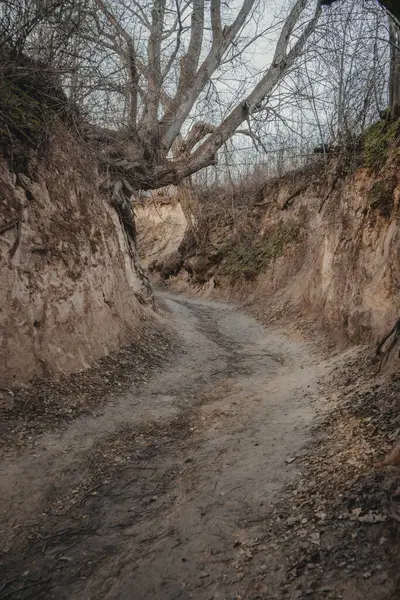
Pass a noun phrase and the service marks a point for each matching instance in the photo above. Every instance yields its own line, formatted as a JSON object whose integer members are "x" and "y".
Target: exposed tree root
{"x": 121, "y": 201}
{"x": 328, "y": 194}
{"x": 289, "y": 201}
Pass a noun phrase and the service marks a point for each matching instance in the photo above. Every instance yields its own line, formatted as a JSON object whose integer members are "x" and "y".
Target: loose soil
{"x": 240, "y": 467}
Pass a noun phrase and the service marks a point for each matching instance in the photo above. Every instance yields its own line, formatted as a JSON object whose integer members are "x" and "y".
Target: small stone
{"x": 328, "y": 588}
{"x": 315, "y": 538}
{"x": 367, "y": 574}
{"x": 372, "y": 518}
{"x": 6, "y": 400}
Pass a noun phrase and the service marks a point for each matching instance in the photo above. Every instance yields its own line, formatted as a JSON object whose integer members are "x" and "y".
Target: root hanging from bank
{"x": 121, "y": 201}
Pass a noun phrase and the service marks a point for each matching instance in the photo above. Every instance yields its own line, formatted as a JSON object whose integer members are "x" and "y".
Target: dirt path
{"x": 159, "y": 495}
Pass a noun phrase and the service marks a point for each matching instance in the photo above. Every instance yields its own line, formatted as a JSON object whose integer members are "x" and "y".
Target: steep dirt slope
{"x": 64, "y": 268}
{"x": 71, "y": 289}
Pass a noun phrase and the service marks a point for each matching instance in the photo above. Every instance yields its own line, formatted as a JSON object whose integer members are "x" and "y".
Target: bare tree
{"x": 393, "y": 8}
{"x": 156, "y": 65}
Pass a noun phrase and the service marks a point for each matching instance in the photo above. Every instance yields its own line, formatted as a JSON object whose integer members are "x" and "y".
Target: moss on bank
{"x": 381, "y": 196}
{"x": 378, "y": 140}
{"x": 32, "y": 101}
{"x": 249, "y": 257}
{"x": 20, "y": 109}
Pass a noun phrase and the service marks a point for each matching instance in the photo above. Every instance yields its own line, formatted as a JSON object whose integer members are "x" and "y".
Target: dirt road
{"x": 160, "y": 493}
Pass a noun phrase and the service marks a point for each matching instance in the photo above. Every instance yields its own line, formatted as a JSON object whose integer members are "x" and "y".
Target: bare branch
{"x": 149, "y": 122}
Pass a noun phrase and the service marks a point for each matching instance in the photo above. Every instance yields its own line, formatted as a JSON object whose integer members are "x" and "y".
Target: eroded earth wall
{"x": 67, "y": 281}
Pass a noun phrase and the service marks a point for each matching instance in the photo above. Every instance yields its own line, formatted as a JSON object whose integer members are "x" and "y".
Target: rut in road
{"x": 156, "y": 497}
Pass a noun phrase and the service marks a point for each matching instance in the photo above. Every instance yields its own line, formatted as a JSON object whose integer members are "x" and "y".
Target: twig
{"x": 87, "y": 494}
{"x": 10, "y": 224}
{"x": 289, "y": 200}
{"x": 328, "y": 194}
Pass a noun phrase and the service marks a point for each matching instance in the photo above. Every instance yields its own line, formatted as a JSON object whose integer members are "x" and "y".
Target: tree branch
{"x": 190, "y": 90}
{"x": 216, "y": 21}
{"x": 150, "y": 117}
{"x": 177, "y": 44}
{"x": 279, "y": 67}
